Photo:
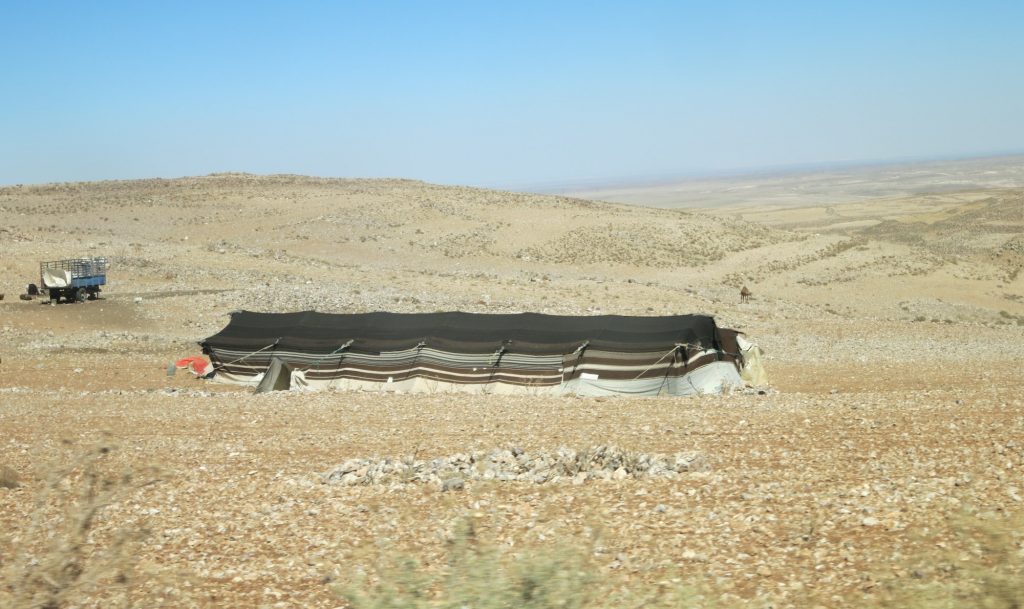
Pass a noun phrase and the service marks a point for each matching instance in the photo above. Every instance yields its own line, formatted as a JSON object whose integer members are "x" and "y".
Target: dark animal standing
{"x": 745, "y": 294}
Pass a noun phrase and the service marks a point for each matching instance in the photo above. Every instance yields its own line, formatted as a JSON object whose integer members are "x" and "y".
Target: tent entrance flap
{"x": 277, "y": 378}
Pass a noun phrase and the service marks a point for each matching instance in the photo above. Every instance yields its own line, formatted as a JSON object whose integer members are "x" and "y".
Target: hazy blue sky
{"x": 499, "y": 93}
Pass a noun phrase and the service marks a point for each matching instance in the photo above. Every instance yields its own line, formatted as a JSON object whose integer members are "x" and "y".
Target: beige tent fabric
{"x": 753, "y": 372}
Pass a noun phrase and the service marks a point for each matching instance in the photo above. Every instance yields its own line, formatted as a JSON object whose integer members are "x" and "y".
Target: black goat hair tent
{"x": 484, "y": 353}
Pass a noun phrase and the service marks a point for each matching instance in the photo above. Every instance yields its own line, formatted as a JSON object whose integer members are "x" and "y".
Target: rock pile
{"x": 514, "y": 464}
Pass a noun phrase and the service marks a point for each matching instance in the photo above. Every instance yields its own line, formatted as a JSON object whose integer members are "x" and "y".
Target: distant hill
{"x": 231, "y": 241}
{"x": 809, "y": 186}
{"x": 360, "y": 220}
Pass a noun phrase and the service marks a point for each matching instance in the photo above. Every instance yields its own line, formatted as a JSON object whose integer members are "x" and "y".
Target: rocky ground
{"x": 895, "y": 409}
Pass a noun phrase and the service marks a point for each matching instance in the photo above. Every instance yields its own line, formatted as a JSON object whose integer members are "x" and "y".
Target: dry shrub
{"x": 982, "y": 568}
{"x": 68, "y": 554}
{"x": 8, "y": 478}
{"x": 483, "y": 576}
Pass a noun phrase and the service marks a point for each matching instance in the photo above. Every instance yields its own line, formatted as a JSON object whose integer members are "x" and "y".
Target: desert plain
{"x": 892, "y": 322}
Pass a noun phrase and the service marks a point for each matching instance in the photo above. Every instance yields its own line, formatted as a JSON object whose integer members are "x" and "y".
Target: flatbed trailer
{"x": 73, "y": 279}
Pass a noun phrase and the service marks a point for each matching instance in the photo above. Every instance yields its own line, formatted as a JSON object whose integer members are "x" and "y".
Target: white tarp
{"x": 56, "y": 278}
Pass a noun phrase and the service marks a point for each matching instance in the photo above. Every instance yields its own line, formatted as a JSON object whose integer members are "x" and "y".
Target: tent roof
{"x": 458, "y": 332}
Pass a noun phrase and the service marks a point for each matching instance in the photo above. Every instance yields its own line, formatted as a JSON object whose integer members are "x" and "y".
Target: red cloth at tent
{"x": 197, "y": 365}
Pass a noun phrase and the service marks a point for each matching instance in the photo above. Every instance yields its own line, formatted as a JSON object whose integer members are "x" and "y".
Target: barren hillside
{"x": 893, "y": 330}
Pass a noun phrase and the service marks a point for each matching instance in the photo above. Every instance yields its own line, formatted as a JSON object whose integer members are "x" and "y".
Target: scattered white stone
{"x": 453, "y": 484}
{"x": 597, "y": 463}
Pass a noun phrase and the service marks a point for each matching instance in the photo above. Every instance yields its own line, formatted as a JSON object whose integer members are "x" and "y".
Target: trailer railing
{"x": 79, "y": 267}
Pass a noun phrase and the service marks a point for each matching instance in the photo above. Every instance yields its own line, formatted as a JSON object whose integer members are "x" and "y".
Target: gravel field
{"x": 895, "y": 411}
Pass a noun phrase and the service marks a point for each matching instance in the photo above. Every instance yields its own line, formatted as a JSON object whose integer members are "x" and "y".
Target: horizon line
{"x": 568, "y": 185}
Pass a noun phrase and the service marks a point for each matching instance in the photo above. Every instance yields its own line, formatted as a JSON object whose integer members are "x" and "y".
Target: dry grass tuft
{"x": 9, "y": 478}
{"x": 983, "y": 567}
{"x": 67, "y": 553}
{"x": 483, "y": 576}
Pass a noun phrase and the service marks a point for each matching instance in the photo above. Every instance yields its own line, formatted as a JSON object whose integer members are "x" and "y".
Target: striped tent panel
{"x": 598, "y": 355}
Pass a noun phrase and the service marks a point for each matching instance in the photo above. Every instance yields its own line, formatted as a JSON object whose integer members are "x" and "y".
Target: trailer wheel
{"x": 81, "y": 294}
